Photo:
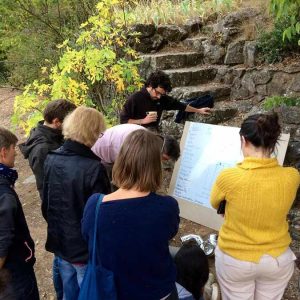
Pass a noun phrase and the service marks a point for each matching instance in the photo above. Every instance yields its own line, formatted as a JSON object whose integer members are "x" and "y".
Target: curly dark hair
{"x": 159, "y": 79}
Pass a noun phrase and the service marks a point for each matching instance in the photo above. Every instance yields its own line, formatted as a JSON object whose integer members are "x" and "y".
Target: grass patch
{"x": 178, "y": 11}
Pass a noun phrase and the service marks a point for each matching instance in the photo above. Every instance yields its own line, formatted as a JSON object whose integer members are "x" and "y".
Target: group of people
{"x": 78, "y": 164}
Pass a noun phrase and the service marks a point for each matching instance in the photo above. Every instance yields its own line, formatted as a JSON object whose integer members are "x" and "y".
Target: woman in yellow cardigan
{"x": 253, "y": 258}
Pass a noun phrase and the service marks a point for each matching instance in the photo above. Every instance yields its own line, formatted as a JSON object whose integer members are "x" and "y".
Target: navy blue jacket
{"x": 16, "y": 243}
{"x": 132, "y": 240}
{"x": 72, "y": 174}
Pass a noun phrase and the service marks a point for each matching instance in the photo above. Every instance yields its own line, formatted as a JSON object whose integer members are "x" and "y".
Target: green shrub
{"x": 290, "y": 9}
{"x": 276, "y": 101}
{"x": 271, "y": 46}
{"x": 99, "y": 69}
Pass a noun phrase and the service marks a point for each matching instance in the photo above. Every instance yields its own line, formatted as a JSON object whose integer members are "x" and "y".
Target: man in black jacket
{"x": 145, "y": 107}
{"x": 47, "y": 136}
{"x": 16, "y": 245}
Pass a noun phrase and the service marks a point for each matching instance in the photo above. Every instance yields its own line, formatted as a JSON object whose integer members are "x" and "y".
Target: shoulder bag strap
{"x": 95, "y": 230}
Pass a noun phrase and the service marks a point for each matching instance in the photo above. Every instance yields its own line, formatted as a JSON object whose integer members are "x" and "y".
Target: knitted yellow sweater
{"x": 259, "y": 195}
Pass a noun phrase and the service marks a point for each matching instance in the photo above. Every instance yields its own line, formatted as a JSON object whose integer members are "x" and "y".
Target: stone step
{"x": 172, "y": 60}
{"x": 195, "y": 43}
{"x": 192, "y": 76}
{"x": 217, "y": 90}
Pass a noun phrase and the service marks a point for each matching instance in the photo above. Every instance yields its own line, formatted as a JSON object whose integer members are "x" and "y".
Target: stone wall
{"x": 220, "y": 59}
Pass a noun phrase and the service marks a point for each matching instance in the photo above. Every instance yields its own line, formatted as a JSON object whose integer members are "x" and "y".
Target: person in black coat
{"x": 17, "y": 278}
{"x": 45, "y": 137}
{"x": 145, "y": 107}
{"x": 72, "y": 174}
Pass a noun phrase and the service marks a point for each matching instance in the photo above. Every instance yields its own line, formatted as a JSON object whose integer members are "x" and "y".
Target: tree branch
{"x": 40, "y": 19}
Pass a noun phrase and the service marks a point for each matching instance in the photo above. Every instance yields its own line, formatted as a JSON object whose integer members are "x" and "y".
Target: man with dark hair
{"x": 16, "y": 245}
{"x": 47, "y": 136}
{"x": 170, "y": 148}
{"x": 145, "y": 107}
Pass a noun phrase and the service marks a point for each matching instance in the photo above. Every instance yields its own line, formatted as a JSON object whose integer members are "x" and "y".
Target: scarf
{"x": 10, "y": 174}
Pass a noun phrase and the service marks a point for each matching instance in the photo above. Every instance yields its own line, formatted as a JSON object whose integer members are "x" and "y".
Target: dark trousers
{"x": 22, "y": 285}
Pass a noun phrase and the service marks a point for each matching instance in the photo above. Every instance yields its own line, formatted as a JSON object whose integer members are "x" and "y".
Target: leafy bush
{"x": 98, "y": 69}
{"x": 289, "y": 9}
{"x": 276, "y": 101}
{"x": 271, "y": 46}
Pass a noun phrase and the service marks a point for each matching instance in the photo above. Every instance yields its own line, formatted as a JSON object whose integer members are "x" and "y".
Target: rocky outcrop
{"x": 216, "y": 60}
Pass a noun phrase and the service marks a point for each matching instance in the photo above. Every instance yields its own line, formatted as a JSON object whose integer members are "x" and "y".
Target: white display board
{"x": 206, "y": 150}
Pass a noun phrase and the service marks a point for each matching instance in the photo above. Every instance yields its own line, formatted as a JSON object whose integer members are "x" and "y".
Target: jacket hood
{"x": 256, "y": 163}
{"x": 38, "y": 135}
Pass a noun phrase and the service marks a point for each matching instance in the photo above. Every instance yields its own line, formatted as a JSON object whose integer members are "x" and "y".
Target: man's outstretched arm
{"x": 202, "y": 111}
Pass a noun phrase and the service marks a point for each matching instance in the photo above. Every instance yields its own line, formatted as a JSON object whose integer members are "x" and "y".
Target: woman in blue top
{"x": 135, "y": 224}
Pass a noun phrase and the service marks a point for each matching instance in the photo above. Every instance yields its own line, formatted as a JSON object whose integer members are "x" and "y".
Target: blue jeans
{"x": 72, "y": 276}
{"x": 57, "y": 281}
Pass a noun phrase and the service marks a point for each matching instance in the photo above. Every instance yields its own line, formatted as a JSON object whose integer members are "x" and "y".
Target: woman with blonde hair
{"x": 253, "y": 258}
{"x": 72, "y": 174}
{"x": 135, "y": 224}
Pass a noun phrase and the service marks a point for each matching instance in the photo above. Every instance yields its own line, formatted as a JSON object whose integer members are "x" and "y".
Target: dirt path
{"x": 26, "y": 189}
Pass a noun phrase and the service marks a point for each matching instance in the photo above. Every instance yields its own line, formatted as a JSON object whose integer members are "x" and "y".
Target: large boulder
{"x": 230, "y": 25}
{"x": 195, "y": 43}
{"x": 150, "y": 44}
{"x": 290, "y": 114}
{"x": 279, "y": 83}
{"x": 295, "y": 85}
{"x": 244, "y": 106}
{"x": 225, "y": 75}
{"x": 250, "y": 53}
{"x": 238, "y": 17}
{"x": 238, "y": 90}
{"x": 235, "y": 53}
{"x": 172, "y": 33}
{"x": 261, "y": 76}
{"x": 145, "y": 30}
{"x": 193, "y": 25}
{"x": 293, "y": 153}
{"x": 212, "y": 54}
{"x": 223, "y": 111}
